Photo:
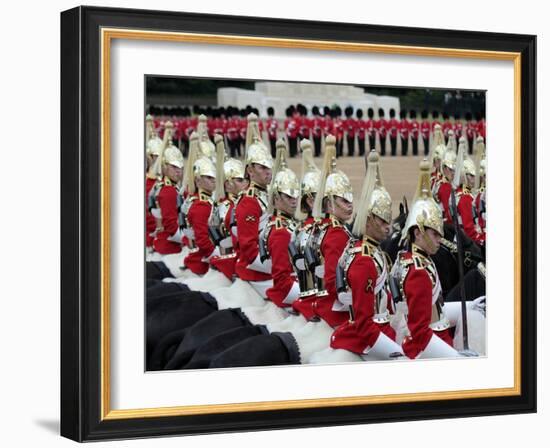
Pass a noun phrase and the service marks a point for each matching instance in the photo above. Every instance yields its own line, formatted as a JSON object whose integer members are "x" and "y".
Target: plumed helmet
{"x": 206, "y": 147}
{"x": 375, "y": 199}
{"x": 172, "y": 156}
{"x": 424, "y": 213}
{"x": 311, "y": 175}
{"x": 333, "y": 182}
{"x": 449, "y": 159}
{"x": 337, "y": 183}
{"x": 256, "y": 151}
{"x": 203, "y": 166}
{"x": 438, "y": 144}
{"x": 469, "y": 167}
{"x": 284, "y": 180}
{"x": 233, "y": 168}
{"x": 154, "y": 146}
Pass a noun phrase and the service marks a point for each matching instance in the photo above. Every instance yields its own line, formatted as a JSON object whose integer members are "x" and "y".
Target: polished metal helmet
{"x": 233, "y": 169}
{"x": 154, "y": 146}
{"x": 256, "y": 151}
{"x": 284, "y": 180}
{"x": 311, "y": 175}
{"x": 424, "y": 213}
{"x": 173, "y": 156}
{"x": 333, "y": 182}
{"x": 203, "y": 166}
{"x": 375, "y": 199}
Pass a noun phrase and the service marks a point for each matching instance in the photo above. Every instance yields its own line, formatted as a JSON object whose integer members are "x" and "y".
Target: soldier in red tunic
{"x": 154, "y": 148}
{"x": 301, "y": 256}
{"x": 232, "y": 134}
{"x": 404, "y": 132}
{"x": 350, "y": 129}
{"x": 251, "y": 211}
{"x": 230, "y": 183}
{"x": 338, "y": 129}
{"x": 427, "y": 328}
{"x": 443, "y": 188}
{"x": 414, "y": 130}
{"x": 446, "y": 126}
{"x": 370, "y": 129}
{"x": 166, "y": 198}
{"x": 275, "y": 238}
{"x": 317, "y": 130}
{"x": 436, "y": 154}
{"x": 361, "y": 131}
{"x": 196, "y": 211}
{"x": 333, "y": 207}
{"x": 467, "y": 214}
{"x": 425, "y": 129}
{"x": 470, "y": 129}
{"x": 393, "y": 130}
{"x": 381, "y": 126}
{"x": 272, "y": 126}
{"x": 363, "y": 281}
{"x": 291, "y": 129}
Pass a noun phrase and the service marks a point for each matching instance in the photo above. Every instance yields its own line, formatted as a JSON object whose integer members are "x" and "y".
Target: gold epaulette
{"x": 204, "y": 197}
{"x": 251, "y": 192}
{"x": 279, "y": 223}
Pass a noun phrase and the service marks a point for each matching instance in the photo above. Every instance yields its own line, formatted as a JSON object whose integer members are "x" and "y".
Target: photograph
{"x": 280, "y": 224}
{"x": 305, "y": 223}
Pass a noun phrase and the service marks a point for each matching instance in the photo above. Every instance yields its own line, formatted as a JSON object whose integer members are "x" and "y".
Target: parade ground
{"x": 399, "y": 173}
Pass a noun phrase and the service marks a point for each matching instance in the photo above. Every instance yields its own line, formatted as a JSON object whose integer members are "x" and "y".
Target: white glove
{"x": 345, "y": 298}
{"x": 320, "y": 271}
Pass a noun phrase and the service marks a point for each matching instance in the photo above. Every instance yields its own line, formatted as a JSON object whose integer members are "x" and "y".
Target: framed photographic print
{"x": 145, "y": 86}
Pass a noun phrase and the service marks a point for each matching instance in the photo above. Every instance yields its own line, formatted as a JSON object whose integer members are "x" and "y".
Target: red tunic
{"x": 465, "y": 207}
{"x": 362, "y": 333}
{"x": 393, "y": 127}
{"x": 418, "y": 287}
{"x": 414, "y": 129}
{"x": 150, "y": 221}
{"x": 404, "y": 126}
{"x": 425, "y": 129}
{"x": 328, "y": 126}
{"x": 226, "y": 263}
{"x": 304, "y": 129}
{"x": 381, "y": 126}
{"x": 272, "y": 125}
{"x": 167, "y": 201}
{"x": 284, "y": 278}
{"x": 248, "y": 212}
{"x": 350, "y": 127}
{"x": 291, "y": 127}
{"x": 332, "y": 246}
{"x": 197, "y": 219}
{"x": 444, "y": 191}
{"x": 317, "y": 126}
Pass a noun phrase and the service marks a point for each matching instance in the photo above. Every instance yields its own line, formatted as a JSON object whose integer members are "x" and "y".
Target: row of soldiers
{"x": 403, "y": 135}
{"x": 290, "y": 237}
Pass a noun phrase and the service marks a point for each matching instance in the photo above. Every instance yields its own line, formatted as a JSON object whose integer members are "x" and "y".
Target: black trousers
{"x": 372, "y": 143}
{"x": 382, "y": 145}
{"x": 351, "y": 146}
{"x": 234, "y": 147}
{"x": 426, "y": 146}
{"x": 415, "y": 147}
{"x": 293, "y": 146}
{"x": 404, "y": 146}
{"x": 273, "y": 144}
{"x": 317, "y": 146}
{"x": 393, "y": 144}
{"x": 361, "y": 144}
